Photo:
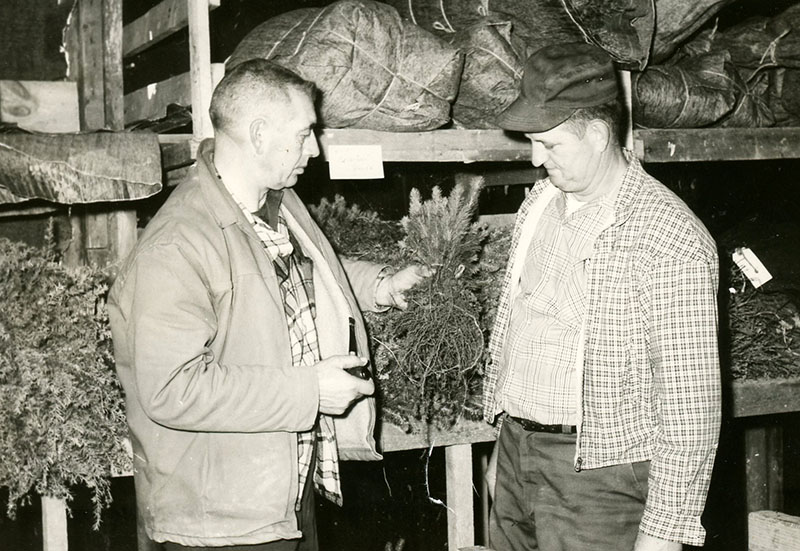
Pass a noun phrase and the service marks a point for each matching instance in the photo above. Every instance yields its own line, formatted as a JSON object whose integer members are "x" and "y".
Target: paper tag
{"x": 751, "y": 266}
{"x": 355, "y": 162}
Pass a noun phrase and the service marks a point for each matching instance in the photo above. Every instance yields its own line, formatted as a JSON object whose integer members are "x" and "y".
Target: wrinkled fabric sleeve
{"x": 682, "y": 296}
{"x": 364, "y": 278}
{"x": 180, "y": 383}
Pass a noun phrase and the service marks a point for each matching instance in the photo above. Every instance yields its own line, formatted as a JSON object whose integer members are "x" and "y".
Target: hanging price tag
{"x": 751, "y": 266}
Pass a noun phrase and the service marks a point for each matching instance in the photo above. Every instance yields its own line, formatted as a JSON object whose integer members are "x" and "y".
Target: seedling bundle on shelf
{"x": 62, "y": 417}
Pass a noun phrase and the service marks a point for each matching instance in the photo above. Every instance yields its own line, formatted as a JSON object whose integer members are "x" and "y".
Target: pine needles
{"x": 764, "y": 331}
{"x": 62, "y": 417}
{"x": 428, "y": 357}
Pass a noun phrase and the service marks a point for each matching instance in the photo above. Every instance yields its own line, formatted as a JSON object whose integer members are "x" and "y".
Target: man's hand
{"x": 337, "y": 388}
{"x": 650, "y": 543}
{"x": 391, "y": 290}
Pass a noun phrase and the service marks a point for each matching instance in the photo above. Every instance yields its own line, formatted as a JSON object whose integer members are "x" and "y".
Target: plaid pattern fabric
{"x": 651, "y": 381}
{"x": 539, "y": 379}
{"x": 296, "y": 283}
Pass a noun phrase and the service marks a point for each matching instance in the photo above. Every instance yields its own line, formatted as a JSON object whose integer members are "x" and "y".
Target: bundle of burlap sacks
{"x": 413, "y": 65}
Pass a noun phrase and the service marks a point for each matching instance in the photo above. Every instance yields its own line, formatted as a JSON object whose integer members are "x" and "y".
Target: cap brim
{"x": 523, "y": 116}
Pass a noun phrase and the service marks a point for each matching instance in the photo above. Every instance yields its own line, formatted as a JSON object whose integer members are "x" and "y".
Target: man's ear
{"x": 600, "y": 134}
{"x": 257, "y": 134}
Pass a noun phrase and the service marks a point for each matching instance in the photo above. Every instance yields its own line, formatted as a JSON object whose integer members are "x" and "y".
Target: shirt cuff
{"x": 686, "y": 529}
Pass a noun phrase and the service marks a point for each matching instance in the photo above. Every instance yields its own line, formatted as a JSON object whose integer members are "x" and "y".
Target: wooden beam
{"x": 393, "y": 438}
{"x": 200, "y": 68}
{"x": 773, "y": 531}
{"x": 40, "y": 106}
{"x": 151, "y": 101}
{"x": 458, "y": 473}
{"x": 158, "y": 23}
{"x": 54, "y": 524}
{"x": 112, "y": 66}
{"x": 91, "y": 92}
{"x": 763, "y": 468}
{"x": 656, "y": 146}
{"x": 765, "y": 397}
{"x": 716, "y": 144}
{"x": 463, "y": 146}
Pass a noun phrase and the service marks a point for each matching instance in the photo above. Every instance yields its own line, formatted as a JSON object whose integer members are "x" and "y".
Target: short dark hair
{"x": 251, "y": 81}
{"x": 613, "y": 113}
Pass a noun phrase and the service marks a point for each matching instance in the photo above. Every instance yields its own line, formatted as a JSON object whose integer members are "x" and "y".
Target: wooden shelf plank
{"x": 652, "y": 146}
{"x": 716, "y": 144}
{"x": 158, "y": 23}
{"x": 393, "y": 438}
{"x": 765, "y": 396}
{"x": 464, "y": 146}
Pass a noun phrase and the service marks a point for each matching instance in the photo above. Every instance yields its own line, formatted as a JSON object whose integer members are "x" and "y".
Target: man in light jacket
{"x": 231, "y": 326}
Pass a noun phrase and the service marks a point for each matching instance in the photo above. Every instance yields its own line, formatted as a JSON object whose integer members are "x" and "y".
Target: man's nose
{"x": 312, "y": 146}
{"x": 538, "y": 154}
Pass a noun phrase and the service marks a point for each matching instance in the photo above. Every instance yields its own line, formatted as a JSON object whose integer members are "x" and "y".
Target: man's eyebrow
{"x": 543, "y": 141}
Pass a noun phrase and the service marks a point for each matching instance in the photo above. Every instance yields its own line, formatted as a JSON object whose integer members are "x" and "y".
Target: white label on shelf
{"x": 355, "y": 162}
{"x": 751, "y": 266}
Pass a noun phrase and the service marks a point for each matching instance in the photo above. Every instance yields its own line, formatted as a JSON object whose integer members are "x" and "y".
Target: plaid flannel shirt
{"x": 651, "y": 381}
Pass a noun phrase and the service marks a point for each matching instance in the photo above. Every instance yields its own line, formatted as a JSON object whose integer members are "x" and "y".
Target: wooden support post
{"x": 627, "y": 96}
{"x": 460, "y": 523}
{"x": 764, "y": 468}
{"x": 54, "y": 524}
{"x": 200, "y": 68}
{"x": 485, "y": 502}
{"x": 94, "y": 42}
{"x": 113, "y": 92}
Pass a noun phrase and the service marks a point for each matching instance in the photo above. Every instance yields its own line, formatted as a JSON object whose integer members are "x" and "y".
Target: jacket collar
{"x": 222, "y": 205}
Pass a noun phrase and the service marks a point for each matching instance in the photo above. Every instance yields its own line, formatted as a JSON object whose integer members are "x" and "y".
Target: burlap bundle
{"x": 492, "y": 73}
{"x": 623, "y": 28}
{"x": 374, "y": 69}
{"x": 698, "y": 91}
{"x": 441, "y": 17}
{"x": 784, "y": 96}
{"x": 677, "y": 20}
{"x": 762, "y": 42}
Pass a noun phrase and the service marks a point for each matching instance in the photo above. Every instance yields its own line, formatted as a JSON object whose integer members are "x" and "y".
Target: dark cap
{"x": 558, "y": 80}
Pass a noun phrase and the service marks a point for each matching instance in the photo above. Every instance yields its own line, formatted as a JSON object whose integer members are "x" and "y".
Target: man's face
{"x": 289, "y": 142}
{"x": 571, "y": 160}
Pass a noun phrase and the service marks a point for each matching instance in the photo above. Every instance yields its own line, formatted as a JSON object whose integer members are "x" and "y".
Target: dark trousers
{"x": 306, "y": 522}
{"x": 540, "y": 501}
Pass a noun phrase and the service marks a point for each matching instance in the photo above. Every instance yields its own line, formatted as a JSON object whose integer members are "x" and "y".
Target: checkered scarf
{"x": 295, "y": 275}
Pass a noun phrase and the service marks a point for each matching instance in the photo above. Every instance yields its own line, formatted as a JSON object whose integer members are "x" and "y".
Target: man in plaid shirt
{"x": 604, "y": 371}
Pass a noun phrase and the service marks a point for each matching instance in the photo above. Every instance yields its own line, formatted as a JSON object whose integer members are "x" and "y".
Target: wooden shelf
{"x": 470, "y": 146}
{"x": 716, "y": 144}
{"x": 393, "y": 438}
{"x": 764, "y": 397}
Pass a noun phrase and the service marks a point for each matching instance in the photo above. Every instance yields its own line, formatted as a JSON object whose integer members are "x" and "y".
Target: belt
{"x": 533, "y": 426}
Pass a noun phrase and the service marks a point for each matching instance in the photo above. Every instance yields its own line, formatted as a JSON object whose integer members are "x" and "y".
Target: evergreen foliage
{"x": 428, "y": 358}
{"x": 62, "y": 419}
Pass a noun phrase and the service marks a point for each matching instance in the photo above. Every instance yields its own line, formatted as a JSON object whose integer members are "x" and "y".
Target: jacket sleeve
{"x": 364, "y": 278}
{"x": 178, "y": 381}
{"x": 686, "y": 376}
